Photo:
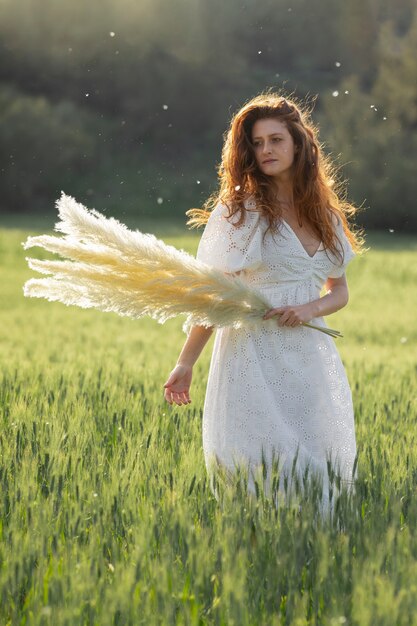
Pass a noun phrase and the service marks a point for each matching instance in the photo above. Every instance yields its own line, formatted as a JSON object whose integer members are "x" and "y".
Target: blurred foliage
{"x": 124, "y": 104}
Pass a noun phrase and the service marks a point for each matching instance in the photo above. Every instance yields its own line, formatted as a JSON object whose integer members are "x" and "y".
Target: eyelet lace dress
{"x": 276, "y": 393}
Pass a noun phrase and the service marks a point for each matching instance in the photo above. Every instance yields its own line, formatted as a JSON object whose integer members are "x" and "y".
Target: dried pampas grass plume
{"x": 111, "y": 268}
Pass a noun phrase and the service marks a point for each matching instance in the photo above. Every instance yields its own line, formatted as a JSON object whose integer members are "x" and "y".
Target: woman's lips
{"x": 269, "y": 161}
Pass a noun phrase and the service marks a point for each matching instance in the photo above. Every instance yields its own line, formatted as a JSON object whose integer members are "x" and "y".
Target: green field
{"x": 107, "y": 517}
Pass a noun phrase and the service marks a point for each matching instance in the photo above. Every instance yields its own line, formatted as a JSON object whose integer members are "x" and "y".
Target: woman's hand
{"x": 177, "y": 387}
{"x": 292, "y": 316}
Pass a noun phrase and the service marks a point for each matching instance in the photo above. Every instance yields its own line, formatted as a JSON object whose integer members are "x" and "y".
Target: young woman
{"x": 276, "y": 389}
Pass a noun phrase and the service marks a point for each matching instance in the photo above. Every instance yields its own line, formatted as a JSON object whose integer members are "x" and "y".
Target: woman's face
{"x": 274, "y": 148}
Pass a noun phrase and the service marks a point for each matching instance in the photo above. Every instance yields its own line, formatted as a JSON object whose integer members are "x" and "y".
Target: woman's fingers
{"x": 179, "y": 397}
{"x": 283, "y": 319}
{"x": 185, "y": 398}
{"x": 168, "y": 396}
{"x": 272, "y": 313}
{"x": 286, "y": 316}
{"x": 289, "y": 322}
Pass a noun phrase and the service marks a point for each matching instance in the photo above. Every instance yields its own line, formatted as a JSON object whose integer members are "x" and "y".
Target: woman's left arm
{"x": 336, "y": 298}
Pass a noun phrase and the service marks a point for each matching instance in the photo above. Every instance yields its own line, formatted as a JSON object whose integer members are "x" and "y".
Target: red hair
{"x": 318, "y": 196}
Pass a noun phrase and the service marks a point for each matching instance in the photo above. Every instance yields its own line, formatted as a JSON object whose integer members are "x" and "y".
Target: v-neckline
{"x": 299, "y": 241}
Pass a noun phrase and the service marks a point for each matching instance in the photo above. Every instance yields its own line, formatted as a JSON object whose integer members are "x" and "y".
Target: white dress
{"x": 276, "y": 392}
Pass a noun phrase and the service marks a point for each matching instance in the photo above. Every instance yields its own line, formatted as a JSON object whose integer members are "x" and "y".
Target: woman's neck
{"x": 285, "y": 196}
{"x": 287, "y": 206}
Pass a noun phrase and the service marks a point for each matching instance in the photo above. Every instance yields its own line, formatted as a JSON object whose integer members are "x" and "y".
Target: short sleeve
{"x": 231, "y": 248}
{"x": 348, "y": 253}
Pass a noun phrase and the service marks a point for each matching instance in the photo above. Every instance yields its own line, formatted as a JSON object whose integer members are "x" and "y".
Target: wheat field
{"x": 107, "y": 517}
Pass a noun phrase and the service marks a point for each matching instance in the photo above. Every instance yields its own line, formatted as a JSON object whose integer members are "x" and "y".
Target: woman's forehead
{"x": 269, "y": 126}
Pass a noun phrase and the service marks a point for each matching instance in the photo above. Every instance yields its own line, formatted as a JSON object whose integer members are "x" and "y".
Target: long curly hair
{"x": 318, "y": 194}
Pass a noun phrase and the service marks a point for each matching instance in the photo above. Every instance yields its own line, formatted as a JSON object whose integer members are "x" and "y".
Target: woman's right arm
{"x": 177, "y": 387}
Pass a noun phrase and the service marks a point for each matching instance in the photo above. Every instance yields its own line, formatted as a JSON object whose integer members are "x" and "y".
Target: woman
{"x": 276, "y": 390}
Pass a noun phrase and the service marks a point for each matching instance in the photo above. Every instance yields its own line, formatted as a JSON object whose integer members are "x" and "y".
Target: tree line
{"x": 124, "y": 104}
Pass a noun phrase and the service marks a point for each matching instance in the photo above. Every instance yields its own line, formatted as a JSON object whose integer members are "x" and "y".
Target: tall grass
{"x": 107, "y": 517}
